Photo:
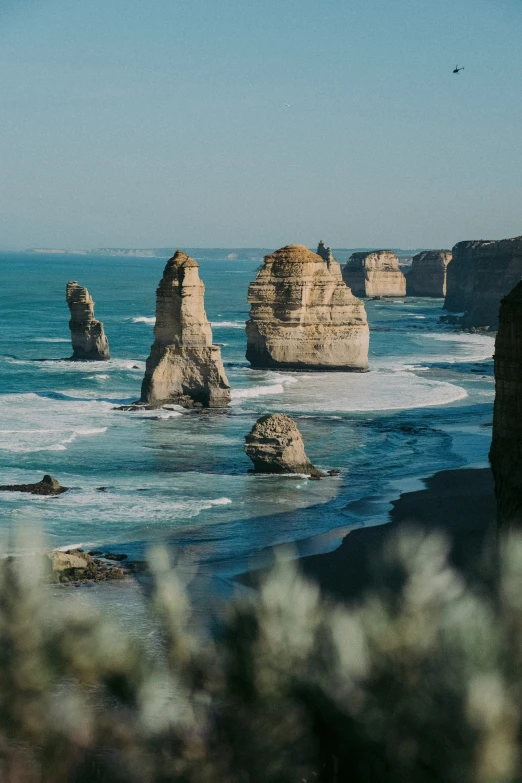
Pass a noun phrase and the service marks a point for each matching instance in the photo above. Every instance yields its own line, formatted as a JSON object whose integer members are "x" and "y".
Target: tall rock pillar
{"x": 183, "y": 367}
{"x": 87, "y": 335}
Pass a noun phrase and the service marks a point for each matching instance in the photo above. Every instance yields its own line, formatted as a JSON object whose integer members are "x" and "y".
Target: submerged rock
{"x": 302, "y": 315}
{"x": 374, "y": 273}
{"x": 428, "y": 273}
{"x": 506, "y": 445}
{"x": 87, "y": 335}
{"x": 274, "y": 444}
{"x": 184, "y": 367}
{"x": 47, "y": 486}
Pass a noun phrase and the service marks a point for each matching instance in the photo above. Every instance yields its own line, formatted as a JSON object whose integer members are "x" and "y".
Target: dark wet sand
{"x": 460, "y": 503}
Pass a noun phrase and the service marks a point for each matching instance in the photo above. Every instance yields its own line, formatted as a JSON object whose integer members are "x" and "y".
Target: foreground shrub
{"x": 292, "y": 688}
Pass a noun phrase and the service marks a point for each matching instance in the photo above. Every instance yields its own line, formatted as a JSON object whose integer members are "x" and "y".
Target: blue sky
{"x": 163, "y": 122}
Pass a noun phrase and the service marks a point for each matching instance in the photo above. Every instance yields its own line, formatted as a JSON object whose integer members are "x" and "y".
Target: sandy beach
{"x": 460, "y": 503}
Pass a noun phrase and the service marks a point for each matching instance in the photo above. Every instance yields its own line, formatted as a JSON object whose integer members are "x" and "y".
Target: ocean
{"x": 182, "y": 477}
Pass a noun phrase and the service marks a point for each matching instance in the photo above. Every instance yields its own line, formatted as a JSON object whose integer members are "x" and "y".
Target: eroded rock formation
{"x": 183, "y": 367}
{"x": 47, "y": 486}
{"x": 460, "y": 276}
{"x": 506, "y": 446}
{"x": 87, "y": 335}
{"x": 303, "y": 316}
{"x": 274, "y": 444}
{"x": 326, "y": 253}
{"x": 428, "y": 273}
{"x": 375, "y": 273}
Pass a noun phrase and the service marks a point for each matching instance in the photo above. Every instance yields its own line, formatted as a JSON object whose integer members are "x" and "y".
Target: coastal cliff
{"x": 506, "y": 445}
{"x": 374, "y": 273}
{"x": 87, "y": 335}
{"x": 428, "y": 273}
{"x": 498, "y": 268}
{"x": 183, "y": 367}
{"x": 303, "y": 316}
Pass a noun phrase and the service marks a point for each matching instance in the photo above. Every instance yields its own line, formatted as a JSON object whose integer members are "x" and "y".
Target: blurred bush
{"x": 292, "y": 688}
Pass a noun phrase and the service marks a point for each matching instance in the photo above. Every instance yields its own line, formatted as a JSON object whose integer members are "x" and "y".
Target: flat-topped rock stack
{"x": 184, "y": 367}
{"x": 374, "y": 273}
{"x": 428, "y": 273}
{"x": 303, "y": 316}
{"x": 87, "y": 335}
{"x": 506, "y": 445}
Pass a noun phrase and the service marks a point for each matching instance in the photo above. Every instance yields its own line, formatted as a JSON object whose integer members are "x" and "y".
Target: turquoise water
{"x": 183, "y": 477}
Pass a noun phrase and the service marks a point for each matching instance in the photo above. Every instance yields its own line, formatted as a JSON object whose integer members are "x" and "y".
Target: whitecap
{"x": 51, "y": 340}
{"x": 144, "y": 319}
{"x": 228, "y": 324}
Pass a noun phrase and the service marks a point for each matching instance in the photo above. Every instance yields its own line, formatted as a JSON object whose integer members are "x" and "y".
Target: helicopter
{"x": 457, "y": 69}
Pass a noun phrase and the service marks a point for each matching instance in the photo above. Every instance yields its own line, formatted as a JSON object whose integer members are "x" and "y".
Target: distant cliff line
{"x": 230, "y": 253}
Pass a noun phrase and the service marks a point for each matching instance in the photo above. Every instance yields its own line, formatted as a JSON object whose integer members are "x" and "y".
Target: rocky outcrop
{"x": 375, "y": 273}
{"x": 87, "y": 335}
{"x": 303, "y": 317}
{"x": 77, "y": 566}
{"x": 274, "y": 444}
{"x": 506, "y": 446}
{"x": 183, "y": 367}
{"x": 47, "y": 486}
{"x": 428, "y": 273}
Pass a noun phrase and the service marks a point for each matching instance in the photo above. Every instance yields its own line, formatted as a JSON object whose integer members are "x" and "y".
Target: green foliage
{"x": 292, "y": 688}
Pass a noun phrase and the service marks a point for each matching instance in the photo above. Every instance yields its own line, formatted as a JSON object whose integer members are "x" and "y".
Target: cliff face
{"x": 303, "y": 316}
{"x": 274, "y": 444}
{"x": 428, "y": 273}
{"x": 374, "y": 274}
{"x": 506, "y": 446}
{"x": 498, "y": 268}
{"x": 183, "y": 367}
{"x": 87, "y": 335}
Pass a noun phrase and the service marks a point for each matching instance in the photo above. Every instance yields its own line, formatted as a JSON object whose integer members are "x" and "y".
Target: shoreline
{"x": 458, "y": 502}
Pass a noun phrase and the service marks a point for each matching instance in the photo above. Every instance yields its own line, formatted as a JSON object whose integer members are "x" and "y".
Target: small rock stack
{"x": 87, "y": 335}
{"x": 184, "y": 367}
{"x": 274, "y": 444}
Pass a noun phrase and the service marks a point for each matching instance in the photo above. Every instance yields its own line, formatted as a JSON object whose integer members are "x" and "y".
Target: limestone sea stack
{"x": 428, "y": 273}
{"x": 375, "y": 273}
{"x": 183, "y": 367}
{"x": 87, "y": 335}
{"x": 274, "y": 444}
{"x": 506, "y": 446}
{"x": 303, "y": 316}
